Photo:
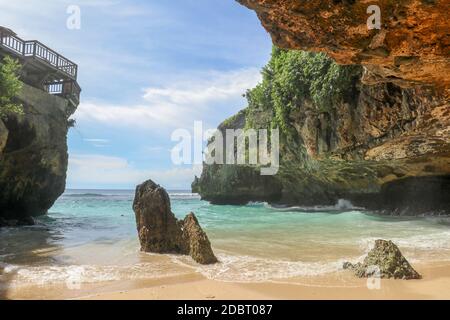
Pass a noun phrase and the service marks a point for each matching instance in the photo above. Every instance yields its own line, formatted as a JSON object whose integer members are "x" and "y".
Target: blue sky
{"x": 146, "y": 68}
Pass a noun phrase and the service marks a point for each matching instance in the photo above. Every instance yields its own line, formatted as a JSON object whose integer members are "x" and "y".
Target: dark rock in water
{"x": 25, "y": 221}
{"x": 160, "y": 231}
{"x": 199, "y": 245}
{"x": 412, "y": 196}
{"x": 386, "y": 260}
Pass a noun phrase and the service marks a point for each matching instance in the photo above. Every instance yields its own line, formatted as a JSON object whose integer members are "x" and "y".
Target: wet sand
{"x": 342, "y": 285}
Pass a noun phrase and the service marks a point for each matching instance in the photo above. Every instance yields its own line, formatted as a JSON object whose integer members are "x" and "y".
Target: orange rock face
{"x": 412, "y": 45}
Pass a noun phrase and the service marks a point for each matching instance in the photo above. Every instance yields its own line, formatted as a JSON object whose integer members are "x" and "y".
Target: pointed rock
{"x": 159, "y": 230}
{"x": 157, "y": 226}
{"x": 199, "y": 245}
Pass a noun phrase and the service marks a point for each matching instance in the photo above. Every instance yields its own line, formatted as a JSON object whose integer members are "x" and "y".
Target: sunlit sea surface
{"x": 90, "y": 236}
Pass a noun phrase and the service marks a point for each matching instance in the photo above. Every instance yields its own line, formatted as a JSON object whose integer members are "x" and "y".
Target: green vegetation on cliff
{"x": 10, "y": 86}
{"x": 331, "y": 123}
{"x": 301, "y": 92}
{"x": 293, "y": 77}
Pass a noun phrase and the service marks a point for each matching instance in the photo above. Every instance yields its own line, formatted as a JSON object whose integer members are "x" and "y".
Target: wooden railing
{"x": 38, "y": 50}
{"x": 67, "y": 89}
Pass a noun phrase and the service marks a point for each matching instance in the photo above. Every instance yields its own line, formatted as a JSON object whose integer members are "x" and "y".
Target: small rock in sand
{"x": 384, "y": 260}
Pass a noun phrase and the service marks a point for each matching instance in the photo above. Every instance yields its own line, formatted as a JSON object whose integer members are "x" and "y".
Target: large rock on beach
{"x": 385, "y": 261}
{"x": 161, "y": 232}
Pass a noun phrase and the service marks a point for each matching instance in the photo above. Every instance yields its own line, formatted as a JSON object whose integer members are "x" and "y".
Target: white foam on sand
{"x": 71, "y": 275}
{"x": 241, "y": 268}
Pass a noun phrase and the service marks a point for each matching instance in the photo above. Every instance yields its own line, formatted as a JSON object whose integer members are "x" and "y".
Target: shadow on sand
{"x": 22, "y": 247}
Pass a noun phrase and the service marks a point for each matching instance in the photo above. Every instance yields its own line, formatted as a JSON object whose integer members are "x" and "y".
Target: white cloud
{"x": 98, "y": 143}
{"x": 97, "y": 140}
{"x": 98, "y": 170}
{"x": 213, "y": 87}
{"x": 178, "y": 104}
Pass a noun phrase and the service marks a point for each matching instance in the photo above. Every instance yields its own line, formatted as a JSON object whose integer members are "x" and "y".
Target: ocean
{"x": 89, "y": 236}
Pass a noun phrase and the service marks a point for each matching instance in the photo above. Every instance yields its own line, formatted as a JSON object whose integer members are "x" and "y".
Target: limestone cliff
{"x": 382, "y": 146}
{"x": 230, "y": 184}
{"x": 33, "y": 155}
{"x": 377, "y": 131}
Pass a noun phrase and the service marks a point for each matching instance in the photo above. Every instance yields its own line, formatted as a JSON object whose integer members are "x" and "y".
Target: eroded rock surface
{"x": 412, "y": 45}
{"x": 385, "y": 261}
{"x": 158, "y": 228}
{"x": 161, "y": 232}
{"x": 382, "y": 146}
{"x": 199, "y": 245}
{"x": 233, "y": 184}
{"x": 33, "y": 156}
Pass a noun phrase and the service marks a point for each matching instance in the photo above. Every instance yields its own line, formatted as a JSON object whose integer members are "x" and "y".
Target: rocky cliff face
{"x": 412, "y": 45}
{"x": 33, "y": 156}
{"x": 230, "y": 184}
{"x": 382, "y": 146}
{"x": 380, "y": 138}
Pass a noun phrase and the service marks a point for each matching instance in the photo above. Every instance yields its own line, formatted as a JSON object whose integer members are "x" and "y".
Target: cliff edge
{"x": 33, "y": 155}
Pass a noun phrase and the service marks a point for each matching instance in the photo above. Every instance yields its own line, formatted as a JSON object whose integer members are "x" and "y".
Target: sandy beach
{"x": 434, "y": 285}
{"x": 98, "y": 256}
{"x": 342, "y": 285}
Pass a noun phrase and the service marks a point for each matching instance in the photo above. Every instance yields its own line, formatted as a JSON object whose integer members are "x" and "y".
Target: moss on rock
{"x": 385, "y": 261}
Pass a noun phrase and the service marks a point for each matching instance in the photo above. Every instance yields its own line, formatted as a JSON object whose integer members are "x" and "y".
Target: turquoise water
{"x": 93, "y": 233}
